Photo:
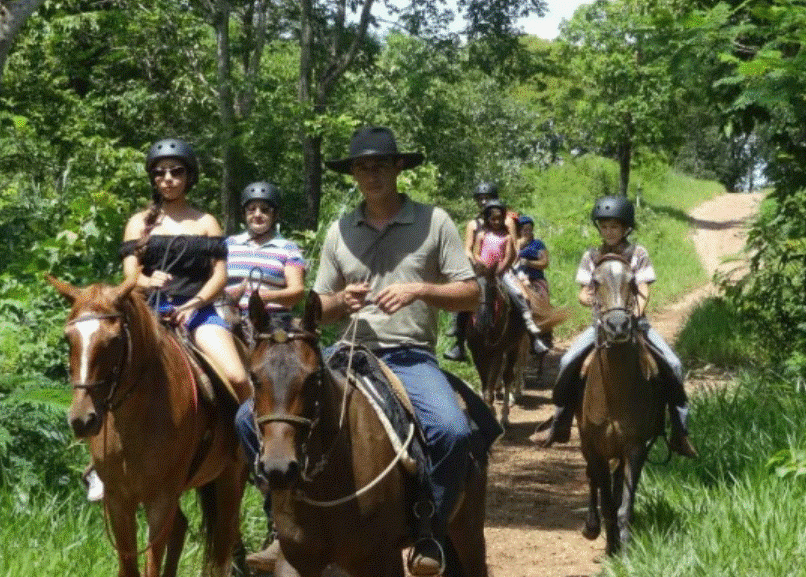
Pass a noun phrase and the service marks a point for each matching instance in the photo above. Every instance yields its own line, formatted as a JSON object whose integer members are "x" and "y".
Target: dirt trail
{"x": 537, "y": 497}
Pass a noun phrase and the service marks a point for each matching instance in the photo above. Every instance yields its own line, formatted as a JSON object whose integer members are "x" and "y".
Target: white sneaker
{"x": 95, "y": 487}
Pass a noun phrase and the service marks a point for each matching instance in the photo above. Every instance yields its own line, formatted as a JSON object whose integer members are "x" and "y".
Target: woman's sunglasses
{"x": 176, "y": 171}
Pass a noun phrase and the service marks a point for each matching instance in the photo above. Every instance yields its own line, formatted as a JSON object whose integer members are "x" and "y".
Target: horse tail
{"x": 208, "y": 503}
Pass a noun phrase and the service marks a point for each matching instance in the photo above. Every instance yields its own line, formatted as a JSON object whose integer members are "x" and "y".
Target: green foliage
{"x": 771, "y": 297}
{"x": 737, "y": 510}
{"x": 715, "y": 334}
{"x": 36, "y": 449}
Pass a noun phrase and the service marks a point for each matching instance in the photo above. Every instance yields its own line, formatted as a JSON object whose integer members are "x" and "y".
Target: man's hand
{"x": 354, "y": 296}
{"x": 396, "y": 296}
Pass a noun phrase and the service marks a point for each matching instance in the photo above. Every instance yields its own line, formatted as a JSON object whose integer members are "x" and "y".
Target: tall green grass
{"x": 715, "y": 334}
{"x": 51, "y": 536}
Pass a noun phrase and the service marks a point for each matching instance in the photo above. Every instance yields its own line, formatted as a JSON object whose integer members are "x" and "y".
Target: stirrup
{"x": 413, "y": 553}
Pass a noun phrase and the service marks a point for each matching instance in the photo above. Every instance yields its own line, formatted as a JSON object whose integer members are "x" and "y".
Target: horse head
{"x": 97, "y": 333}
{"x": 614, "y": 298}
{"x": 491, "y": 303}
{"x": 287, "y": 372}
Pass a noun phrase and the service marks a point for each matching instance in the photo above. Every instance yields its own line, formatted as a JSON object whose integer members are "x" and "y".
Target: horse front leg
{"x": 599, "y": 472}
{"x": 508, "y": 377}
{"x": 123, "y": 521}
{"x": 635, "y": 465}
{"x": 229, "y": 488}
{"x": 593, "y": 523}
{"x": 160, "y": 517}
{"x": 176, "y": 542}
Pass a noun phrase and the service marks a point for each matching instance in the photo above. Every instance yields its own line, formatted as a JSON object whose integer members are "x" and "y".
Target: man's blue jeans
{"x": 447, "y": 432}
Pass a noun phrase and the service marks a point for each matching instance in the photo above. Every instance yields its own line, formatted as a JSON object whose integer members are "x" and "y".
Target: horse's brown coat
{"x": 622, "y": 406}
{"x": 157, "y": 438}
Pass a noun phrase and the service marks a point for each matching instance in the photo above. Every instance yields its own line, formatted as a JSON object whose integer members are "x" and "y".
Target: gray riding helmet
{"x": 174, "y": 148}
{"x": 261, "y": 191}
{"x": 617, "y": 207}
{"x": 487, "y": 189}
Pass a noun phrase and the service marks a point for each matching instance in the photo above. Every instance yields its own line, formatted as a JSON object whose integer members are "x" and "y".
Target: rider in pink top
{"x": 494, "y": 250}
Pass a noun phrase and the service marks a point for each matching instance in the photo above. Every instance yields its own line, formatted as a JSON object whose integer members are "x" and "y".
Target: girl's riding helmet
{"x": 617, "y": 207}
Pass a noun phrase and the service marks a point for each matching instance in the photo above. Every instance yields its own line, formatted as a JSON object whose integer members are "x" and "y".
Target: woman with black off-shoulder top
{"x": 179, "y": 255}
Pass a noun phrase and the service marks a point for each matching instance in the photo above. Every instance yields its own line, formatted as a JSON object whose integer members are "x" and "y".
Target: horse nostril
{"x": 84, "y": 424}
{"x": 292, "y": 473}
{"x": 280, "y": 475}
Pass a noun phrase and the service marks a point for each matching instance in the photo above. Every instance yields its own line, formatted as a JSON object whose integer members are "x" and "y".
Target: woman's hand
{"x": 182, "y": 314}
{"x": 158, "y": 279}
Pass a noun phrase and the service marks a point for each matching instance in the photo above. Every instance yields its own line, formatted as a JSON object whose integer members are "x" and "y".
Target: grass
{"x": 714, "y": 335}
{"x": 48, "y": 535}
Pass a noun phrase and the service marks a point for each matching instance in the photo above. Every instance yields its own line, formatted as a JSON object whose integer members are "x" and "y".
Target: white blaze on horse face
{"x": 86, "y": 329}
{"x": 613, "y": 280}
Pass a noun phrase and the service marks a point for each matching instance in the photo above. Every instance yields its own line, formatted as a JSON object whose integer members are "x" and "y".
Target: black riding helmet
{"x": 486, "y": 189}
{"x": 495, "y": 203}
{"x": 261, "y": 191}
{"x": 174, "y": 148}
{"x": 617, "y": 207}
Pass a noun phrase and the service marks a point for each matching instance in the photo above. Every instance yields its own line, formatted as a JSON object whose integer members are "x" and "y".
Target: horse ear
{"x": 65, "y": 289}
{"x": 124, "y": 289}
{"x": 313, "y": 312}
{"x": 257, "y": 312}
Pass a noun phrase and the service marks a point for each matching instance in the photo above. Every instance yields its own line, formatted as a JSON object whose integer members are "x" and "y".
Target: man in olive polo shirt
{"x": 395, "y": 262}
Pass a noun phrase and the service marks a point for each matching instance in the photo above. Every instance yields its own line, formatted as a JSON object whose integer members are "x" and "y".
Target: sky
{"x": 547, "y": 27}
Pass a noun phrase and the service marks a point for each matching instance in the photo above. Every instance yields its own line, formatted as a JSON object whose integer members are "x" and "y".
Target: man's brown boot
{"x": 266, "y": 559}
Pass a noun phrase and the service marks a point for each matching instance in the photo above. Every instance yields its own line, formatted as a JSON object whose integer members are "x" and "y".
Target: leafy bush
{"x": 36, "y": 448}
{"x": 771, "y": 297}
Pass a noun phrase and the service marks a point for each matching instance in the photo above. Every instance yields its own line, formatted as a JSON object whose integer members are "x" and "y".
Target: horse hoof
{"x": 590, "y": 532}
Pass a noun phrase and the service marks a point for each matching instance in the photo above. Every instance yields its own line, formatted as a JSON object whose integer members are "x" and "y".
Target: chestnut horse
{"x": 150, "y": 434}
{"x": 339, "y": 492}
{"x": 622, "y": 408}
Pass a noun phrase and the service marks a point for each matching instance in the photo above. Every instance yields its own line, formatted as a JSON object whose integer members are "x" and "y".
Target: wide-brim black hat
{"x": 374, "y": 141}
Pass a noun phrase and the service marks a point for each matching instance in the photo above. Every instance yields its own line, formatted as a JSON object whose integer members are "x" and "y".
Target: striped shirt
{"x": 270, "y": 258}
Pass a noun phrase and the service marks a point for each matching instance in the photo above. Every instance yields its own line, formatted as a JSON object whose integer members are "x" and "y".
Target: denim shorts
{"x": 205, "y": 315}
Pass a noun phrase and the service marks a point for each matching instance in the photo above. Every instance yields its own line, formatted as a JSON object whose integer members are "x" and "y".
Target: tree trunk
{"x": 311, "y": 146}
{"x": 12, "y": 16}
{"x": 312, "y": 178}
{"x": 625, "y": 156}
{"x": 228, "y": 195}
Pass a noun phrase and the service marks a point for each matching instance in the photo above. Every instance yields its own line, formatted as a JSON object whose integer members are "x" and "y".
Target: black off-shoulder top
{"x": 189, "y": 258}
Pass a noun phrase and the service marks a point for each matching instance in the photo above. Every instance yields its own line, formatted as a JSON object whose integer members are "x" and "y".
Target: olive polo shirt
{"x": 419, "y": 244}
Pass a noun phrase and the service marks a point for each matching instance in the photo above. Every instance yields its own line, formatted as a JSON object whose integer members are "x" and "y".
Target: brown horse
{"x": 622, "y": 408}
{"x": 151, "y": 436}
{"x": 494, "y": 336}
{"x": 498, "y": 339}
{"x": 339, "y": 494}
